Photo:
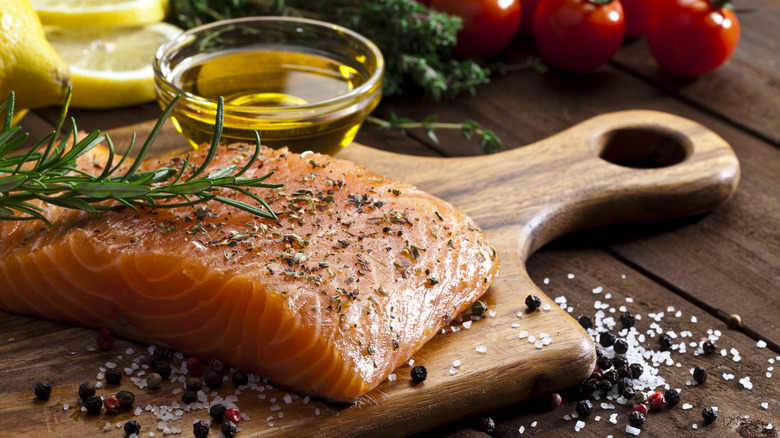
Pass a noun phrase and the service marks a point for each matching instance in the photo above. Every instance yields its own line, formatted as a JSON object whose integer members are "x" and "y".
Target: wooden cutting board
{"x": 669, "y": 167}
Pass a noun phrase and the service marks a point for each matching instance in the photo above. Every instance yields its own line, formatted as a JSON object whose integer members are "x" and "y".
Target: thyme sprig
{"x": 52, "y": 176}
{"x": 488, "y": 141}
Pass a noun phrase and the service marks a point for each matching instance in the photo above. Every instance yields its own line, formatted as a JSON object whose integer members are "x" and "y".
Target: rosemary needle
{"x": 52, "y": 176}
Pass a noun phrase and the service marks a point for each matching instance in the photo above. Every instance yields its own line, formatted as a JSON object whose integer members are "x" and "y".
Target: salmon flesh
{"x": 358, "y": 272}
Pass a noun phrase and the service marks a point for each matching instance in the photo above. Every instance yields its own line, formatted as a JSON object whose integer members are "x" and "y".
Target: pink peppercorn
{"x": 233, "y": 415}
{"x": 112, "y": 405}
{"x": 641, "y": 408}
{"x": 105, "y": 340}
{"x": 194, "y": 367}
{"x": 656, "y": 400}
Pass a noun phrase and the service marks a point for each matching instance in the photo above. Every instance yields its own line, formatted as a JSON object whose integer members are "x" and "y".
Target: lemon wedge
{"x": 111, "y": 67}
{"x": 93, "y": 13}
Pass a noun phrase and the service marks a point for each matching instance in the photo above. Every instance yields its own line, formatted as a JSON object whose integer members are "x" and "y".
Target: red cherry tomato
{"x": 692, "y": 37}
{"x": 639, "y": 16}
{"x": 578, "y": 35}
{"x": 528, "y": 7}
{"x": 488, "y": 25}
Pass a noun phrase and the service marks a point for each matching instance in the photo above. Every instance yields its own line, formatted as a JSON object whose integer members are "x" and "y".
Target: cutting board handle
{"x": 614, "y": 168}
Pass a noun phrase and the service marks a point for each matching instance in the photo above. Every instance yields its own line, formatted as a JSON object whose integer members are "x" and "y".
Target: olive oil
{"x": 290, "y": 98}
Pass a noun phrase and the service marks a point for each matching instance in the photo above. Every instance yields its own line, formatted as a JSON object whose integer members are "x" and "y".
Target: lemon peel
{"x": 97, "y": 13}
{"x": 111, "y": 67}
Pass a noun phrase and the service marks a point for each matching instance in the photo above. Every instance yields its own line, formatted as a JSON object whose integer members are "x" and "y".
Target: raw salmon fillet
{"x": 355, "y": 276}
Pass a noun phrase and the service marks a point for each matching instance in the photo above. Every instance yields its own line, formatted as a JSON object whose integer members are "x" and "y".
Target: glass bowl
{"x": 300, "y": 83}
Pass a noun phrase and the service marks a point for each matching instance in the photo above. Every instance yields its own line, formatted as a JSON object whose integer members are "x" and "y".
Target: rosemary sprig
{"x": 488, "y": 141}
{"x": 52, "y": 176}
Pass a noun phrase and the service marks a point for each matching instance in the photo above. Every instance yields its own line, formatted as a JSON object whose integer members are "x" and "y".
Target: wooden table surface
{"x": 695, "y": 271}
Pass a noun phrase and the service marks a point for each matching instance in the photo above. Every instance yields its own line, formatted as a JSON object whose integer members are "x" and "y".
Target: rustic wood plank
{"x": 593, "y": 268}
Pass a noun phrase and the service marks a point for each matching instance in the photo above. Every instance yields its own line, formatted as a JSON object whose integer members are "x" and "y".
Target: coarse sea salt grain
{"x": 521, "y": 430}
{"x": 534, "y": 423}
{"x": 570, "y": 276}
{"x": 598, "y": 290}
{"x": 546, "y": 280}
{"x": 761, "y": 343}
{"x": 481, "y": 349}
{"x": 687, "y": 406}
{"x": 765, "y": 405}
{"x": 613, "y": 418}
{"x": 632, "y": 430}
{"x": 727, "y": 376}
{"x": 745, "y": 381}
{"x": 579, "y": 425}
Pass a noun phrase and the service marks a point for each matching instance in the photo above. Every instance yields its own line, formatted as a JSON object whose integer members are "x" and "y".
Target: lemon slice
{"x": 111, "y": 67}
{"x": 92, "y": 13}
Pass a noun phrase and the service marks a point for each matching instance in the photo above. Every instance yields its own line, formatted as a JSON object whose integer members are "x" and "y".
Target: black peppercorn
{"x": 623, "y": 370}
{"x": 419, "y": 373}
{"x": 240, "y": 378}
{"x": 487, "y": 425}
{"x": 606, "y": 339}
{"x": 43, "y": 390}
{"x": 709, "y": 415}
{"x": 591, "y": 385}
{"x": 621, "y": 346}
{"x": 200, "y": 429}
{"x": 605, "y": 385}
{"x": 619, "y": 360}
{"x": 113, "y": 376}
{"x": 212, "y": 379}
{"x": 585, "y": 321}
{"x": 610, "y": 375}
{"x": 604, "y": 362}
{"x": 229, "y": 429}
{"x": 533, "y": 302}
{"x": 628, "y": 393}
{"x": 700, "y": 375}
{"x": 636, "y": 419}
{"x": 126, "y": 398}
{"x": 189, "y": 397}
{"x": 132, "y": 427}
{"x": 162, "y": 368}
{"x": 194, "y": 384}
{"x": 665, "y": 342}
{"x": 94, "y": 404}
{"x": 627, "y": 319}
{"x": 584, "y": 408}
{"x": 217, "y": 412}
{"x": 624, "y": 383}
{"x": 160, "y": 354}
{"x": 636, "y": 370}
{"x": 86, "y": 390}
{"x": 672, "y": 397}
{"x": 709, "y": 347}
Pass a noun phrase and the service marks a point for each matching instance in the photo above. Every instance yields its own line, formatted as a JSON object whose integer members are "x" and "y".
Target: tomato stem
{"x": 720, "y": 4}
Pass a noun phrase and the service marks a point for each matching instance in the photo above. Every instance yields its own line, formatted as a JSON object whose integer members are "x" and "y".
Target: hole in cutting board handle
{"x": 643, "y": 148}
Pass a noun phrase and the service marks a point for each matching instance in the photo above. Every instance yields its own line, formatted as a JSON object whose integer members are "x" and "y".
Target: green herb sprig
{"x": 52, "y": 176}
{"x": 416, "y": 41}
{"x": 488, "y": 141}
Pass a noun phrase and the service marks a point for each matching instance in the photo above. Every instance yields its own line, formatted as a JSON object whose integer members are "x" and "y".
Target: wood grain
{"x": 521, "y": 201}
